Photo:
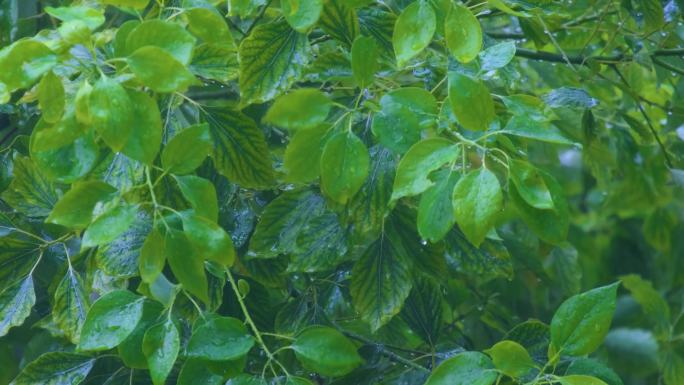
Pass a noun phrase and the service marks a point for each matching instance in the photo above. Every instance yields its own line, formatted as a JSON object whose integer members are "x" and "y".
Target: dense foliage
{"x": 257, "y": 192}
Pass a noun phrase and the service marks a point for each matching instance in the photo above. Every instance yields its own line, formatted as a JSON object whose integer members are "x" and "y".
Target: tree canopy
{"x": 341, "y": 192}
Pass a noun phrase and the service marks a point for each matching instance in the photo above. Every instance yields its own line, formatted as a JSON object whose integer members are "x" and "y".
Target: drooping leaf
{"x": 423, "y": 310}
{"x": 530, "y": 185}
{"x": 271, "y": 58}
{"x": 110, "y": 110}
{"x": 210, "y": 240}
{"x": 152, "y": 256}
{"x": 326, "y": 351}
{"x": 364, "y": 62}
{"x": 110, "y": 320}
{"x": 51, "y": 98}
{"x": 186, "y": 264}
{"x": 305, "y": 148}
{"x": 413, "y": 31}
{"x": 436, "y": 211}
{"x": 201, "y": 194}
{"x": 344, "y": 166}
{"x": 477, "y": 199}
{"x": 471, "y": 102}
{"x": 463, "y": 33}
{"x": 161, "y": 345}
{"x": 146, "y": 133}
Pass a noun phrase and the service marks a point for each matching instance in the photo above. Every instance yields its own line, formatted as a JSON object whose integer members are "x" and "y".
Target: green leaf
{"x": 16, "y": 302}
{"x": 299, "y": 109}
{"x": 302, "y": 14}
{"x": 569, "y": 97}
{"x": 30, "y": 192}
{"x": 305, "y": 148}
{"x": 24, "y": 62}
{"x": 51, "y": 97}
{"x": 530, "y": 185}
{"x": 477, "y": 200}
{"x": 436, "y": 211}
{"x": 215, "y": 62}
{"x": 47, "y": 136}
{"x": 161, "y": 345}
{"x": 152, "y": 256}
{"x": 673, "y": 369}
{"x": 71, "y": 305}
{"x": 282, "y": 221}
{"x": 497, "y": 56}
{"x": 159, "y": 71}
{"x": 405, "y": 113}
{"x": 524, "y": 127}
{"x": 471, "y": 102}
{"x": 344, "y": 166}
{"x": 592, "y": 367}
{"x": 56, "y": 368}
{"x": 110, "y": 320}
{"x": 91, "y": 17}
{"x": 197, "y": 371}
{"x": 580, "y": 380}
{"x": 423, "y": 310}
{"x": 165, "y": 35}
{"x": 271, "y": 59}
{"x": 421, "y": 159}
{"x": 187, "y": 266}
{"x": 468, "y": 368}
{"x": 488, "y": 261}
{"x": 208, "y": 25}
{"x": 187, "y": 149}
{"x": 381, "y": 279}
{"x": 413, "y": 31}
{"x": 463, "y": 34}
{"x": 321, "y": 247}
{"x": 240, "y": 151}
{"x": 146, "y": 134}
{"x": 201, "y": 195}
{"x": 220, "y": 339}
{"x": 364, "y": 62}
{"x": 210, "y": 240}
{"x": 75, "y": 208}
{"x": 109, "y": 225}
{"x": 654, "y": 15}
{"x": 563, "y": 266}
{"x": 652, "y": 302}
{"x": 111, "y": 111}
{"x": 581, "y": 322}
{"x": 511, "y": 358}
{"x": 131, "y": 349}
{"x": 339, "y": 21}
{"x": 119, "y": 258}
{"x": 326, "y": 351}
{"x": 136, "y": 4}
{"x": 549, "y": 225}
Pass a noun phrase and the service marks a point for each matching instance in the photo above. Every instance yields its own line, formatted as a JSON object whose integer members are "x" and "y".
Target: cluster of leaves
{"x": 341, "y": 192}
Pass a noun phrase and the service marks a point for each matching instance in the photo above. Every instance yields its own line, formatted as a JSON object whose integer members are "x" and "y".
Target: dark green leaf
{"x": 71, "y": 305}
{"x": 477, "y": 200}
{"x": 364, "y": 62}
{"x": 469, "y": 368}
{"x": 186, "y": 264}
{"x": 339, "y": 21}
{"x": 161, "y": 345}
{"x": 75, "y": 208}
{"x": 16, "y": 302}
{"x": 344, "y": 166}
{"x": 56, "y": 368}
{"x": 109, "y": 225}
{"x": 201, "y": 195}
{"x": 326, "y": 351}
{"x": 110, "y": 320}
{"x": 436, "y": 211}
{"x": 271, "y": 58}
{"x": 220, "y": 339}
